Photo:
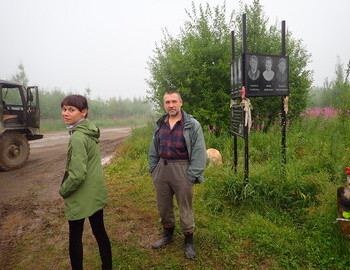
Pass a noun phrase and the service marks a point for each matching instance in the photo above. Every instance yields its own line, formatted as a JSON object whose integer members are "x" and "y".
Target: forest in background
{"x": 335, "y": 92}
{"x": 111, "y": 112}
{"x": 113, "y": 108}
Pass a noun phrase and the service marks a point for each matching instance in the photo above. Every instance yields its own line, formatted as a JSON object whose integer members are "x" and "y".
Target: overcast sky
{"x": 105, "y": 44}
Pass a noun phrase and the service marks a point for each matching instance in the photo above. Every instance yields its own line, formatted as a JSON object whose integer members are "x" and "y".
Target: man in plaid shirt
{"x": 177, "y": 159}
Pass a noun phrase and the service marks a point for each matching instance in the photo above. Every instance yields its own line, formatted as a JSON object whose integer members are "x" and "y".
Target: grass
{"x": 275, "y": 221}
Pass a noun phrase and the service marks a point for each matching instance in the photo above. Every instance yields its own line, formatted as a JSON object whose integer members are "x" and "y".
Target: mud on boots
{"x": 189, "y": 251}
{"x": 166, "y": 239}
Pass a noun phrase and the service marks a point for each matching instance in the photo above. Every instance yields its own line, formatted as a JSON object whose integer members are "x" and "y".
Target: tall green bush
{"x": 196, "y": 63}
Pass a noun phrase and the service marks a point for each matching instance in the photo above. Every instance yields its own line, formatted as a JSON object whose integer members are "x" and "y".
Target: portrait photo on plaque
{"x": 266, "y": 75}
{"x": 237, "y": 73}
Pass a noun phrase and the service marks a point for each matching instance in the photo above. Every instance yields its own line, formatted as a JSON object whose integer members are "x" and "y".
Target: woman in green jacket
{"x": 83, "y": 188}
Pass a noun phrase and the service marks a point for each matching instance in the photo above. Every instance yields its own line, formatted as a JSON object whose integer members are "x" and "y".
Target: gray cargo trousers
{"x": 170, "y": 178}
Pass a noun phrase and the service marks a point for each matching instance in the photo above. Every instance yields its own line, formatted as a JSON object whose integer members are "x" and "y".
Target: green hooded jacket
{"x": 83, "y": 188}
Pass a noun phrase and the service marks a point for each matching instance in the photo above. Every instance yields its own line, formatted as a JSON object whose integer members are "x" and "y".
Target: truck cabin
{"x": 12, "y": 103}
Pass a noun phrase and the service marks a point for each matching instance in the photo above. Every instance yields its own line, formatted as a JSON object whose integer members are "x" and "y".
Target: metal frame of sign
{"x": 255, "y": 88}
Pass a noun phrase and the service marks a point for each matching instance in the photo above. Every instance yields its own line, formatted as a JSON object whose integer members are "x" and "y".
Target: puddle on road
{"x": 106, "y": 160}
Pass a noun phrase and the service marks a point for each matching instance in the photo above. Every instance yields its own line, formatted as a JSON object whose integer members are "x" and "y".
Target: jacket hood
{"x": 88, "y": 129}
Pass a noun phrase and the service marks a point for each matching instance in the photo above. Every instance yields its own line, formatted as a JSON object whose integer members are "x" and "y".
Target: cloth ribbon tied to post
{"x": 247, "y": 107}
{"x": 285, "y": 104}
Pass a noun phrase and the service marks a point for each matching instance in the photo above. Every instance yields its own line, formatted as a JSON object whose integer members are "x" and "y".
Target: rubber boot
{"x": 189, "y": 251}
{"x": 166, "y": 239}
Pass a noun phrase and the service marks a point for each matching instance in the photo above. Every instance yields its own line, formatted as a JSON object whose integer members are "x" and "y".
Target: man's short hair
{"x": 282, "y": 60}
{"x": 170, "y": 92}
{"x": 254, "y": 57}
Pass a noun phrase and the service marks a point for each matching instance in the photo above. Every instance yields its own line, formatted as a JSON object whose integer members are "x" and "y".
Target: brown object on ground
{"x": 214, "y": 157}
{"x": 343, "y": 203}
{"x": 344, "y": 226}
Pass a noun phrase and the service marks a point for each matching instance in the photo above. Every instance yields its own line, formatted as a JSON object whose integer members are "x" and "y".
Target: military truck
{"x": 19, "y": 123}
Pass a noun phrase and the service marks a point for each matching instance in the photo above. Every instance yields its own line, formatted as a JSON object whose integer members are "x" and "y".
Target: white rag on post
{"x": 247, "y": 107}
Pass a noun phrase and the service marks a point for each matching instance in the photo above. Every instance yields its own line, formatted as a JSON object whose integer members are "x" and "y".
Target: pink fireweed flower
{"x": 327, "y": 112}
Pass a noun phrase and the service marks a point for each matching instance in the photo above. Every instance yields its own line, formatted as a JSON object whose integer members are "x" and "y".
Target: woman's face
{"x": 71, "y": 114}
{"x": 268, "y": 64}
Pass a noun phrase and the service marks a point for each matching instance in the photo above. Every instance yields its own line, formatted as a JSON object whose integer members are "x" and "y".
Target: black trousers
{"x": 76, "y": 228}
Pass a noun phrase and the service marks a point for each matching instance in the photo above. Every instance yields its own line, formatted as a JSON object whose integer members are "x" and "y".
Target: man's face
{"x": 172, "y": 104}
{"x": 282, "y": 66}
{"x": 253, "y": 63}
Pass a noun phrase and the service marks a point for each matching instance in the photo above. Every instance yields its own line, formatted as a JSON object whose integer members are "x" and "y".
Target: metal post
{"x": 283, "y": 37}
{"x": 244, "y": 33}
{"x": 235, "y": 152}
{"x": 246, "y": 151}
{"x": 232, "y": 46}
{"x": 246, "y": 130}
{"x": 283, "y": 113}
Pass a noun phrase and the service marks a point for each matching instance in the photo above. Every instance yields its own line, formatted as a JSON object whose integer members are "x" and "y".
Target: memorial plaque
{"x": 237, "y": 120}
{"x": 261, "y": 74}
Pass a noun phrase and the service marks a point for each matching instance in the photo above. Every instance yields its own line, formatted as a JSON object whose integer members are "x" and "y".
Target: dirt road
{"x": 24, "y": 191}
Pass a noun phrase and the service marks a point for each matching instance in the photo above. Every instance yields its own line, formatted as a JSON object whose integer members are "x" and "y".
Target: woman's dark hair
{"x": 77, "y": 101}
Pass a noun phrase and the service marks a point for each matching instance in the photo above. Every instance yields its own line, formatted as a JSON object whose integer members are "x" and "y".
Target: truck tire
{"x": 14, "y": 151}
